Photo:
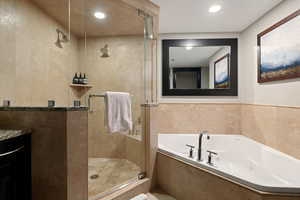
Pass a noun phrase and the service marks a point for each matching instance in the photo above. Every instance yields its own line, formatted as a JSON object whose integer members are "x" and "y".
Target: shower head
{"x": 105, "y": 51}
{"x": 61, "y": 38}
{"x": 58, "y": 43}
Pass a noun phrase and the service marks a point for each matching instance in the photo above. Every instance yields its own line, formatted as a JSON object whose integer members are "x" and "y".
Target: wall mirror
{"x": 201, "y": 67}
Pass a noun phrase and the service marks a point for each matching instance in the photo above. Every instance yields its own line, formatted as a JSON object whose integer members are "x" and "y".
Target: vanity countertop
{"x": 8, "y": 134}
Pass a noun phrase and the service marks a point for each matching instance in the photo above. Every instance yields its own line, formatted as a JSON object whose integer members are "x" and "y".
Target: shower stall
{"x": 116, "y": 160}
{"x": 110, "y": 43}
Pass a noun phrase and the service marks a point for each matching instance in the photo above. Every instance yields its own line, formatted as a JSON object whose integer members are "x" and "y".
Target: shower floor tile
{"x": 106, "y": 173}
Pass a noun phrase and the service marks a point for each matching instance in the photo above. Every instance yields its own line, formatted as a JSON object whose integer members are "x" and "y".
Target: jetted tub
{"x": 240, "y": 160}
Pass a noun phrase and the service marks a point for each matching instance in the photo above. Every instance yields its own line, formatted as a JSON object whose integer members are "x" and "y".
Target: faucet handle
{"x": 210, "y": 154}
{"x": 191, "y": 146}
{"x": 191, "y": 150}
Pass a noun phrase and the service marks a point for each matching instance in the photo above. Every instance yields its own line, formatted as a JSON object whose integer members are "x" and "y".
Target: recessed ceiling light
{"x": 99, "y": 15}
{"x": 214, "y": 8}
{"x": 189, "y": 48}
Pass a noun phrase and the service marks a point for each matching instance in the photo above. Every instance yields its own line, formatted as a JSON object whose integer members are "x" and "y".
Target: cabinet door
{"x": 12, "y": 175}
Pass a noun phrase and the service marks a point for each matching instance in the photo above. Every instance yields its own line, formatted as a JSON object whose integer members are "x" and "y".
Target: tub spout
{"x": 199, "y": 157}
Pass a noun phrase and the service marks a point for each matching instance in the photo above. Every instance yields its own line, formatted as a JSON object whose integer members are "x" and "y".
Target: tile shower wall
{"x": 32, "y": 68}
{"x": 122, "y": 71}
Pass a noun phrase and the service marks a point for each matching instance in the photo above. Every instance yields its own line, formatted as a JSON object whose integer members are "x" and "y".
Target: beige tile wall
{"x": 32, "y": 68}
{"x": 122, "y": 71}
{"x": 278, "y": 127}
{"x": 7, "y": 56}
{"x": 193, "y": 118}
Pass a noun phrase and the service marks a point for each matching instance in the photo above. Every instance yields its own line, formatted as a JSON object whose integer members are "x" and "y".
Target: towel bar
{"x": 95, "y": 95}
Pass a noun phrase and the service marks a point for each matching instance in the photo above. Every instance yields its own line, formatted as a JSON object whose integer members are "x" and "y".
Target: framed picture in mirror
{"x": 222, "y": 75}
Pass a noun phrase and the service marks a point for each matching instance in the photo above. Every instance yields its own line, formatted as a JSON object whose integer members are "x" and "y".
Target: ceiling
{"x": 195, "y": 57}
{"x": 121, "y": 18}
{"x": 192, "y": 16}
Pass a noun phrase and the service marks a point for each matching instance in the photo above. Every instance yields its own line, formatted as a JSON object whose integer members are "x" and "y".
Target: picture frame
{"x": 278, "y": 50}
{"x": 222, "y": 72}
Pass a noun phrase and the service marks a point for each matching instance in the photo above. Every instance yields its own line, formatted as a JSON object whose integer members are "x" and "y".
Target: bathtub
{"x": 240, "y": 160}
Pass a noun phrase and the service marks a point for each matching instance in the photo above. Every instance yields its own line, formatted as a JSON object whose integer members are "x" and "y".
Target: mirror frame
{"x": 232, "y": 91}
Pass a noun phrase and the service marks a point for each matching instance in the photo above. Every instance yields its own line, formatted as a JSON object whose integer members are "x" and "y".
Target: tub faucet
{"x": 204, "y": 133}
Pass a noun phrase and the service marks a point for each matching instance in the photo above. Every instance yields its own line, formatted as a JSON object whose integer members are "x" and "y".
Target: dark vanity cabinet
{"x": 15, "y": 168}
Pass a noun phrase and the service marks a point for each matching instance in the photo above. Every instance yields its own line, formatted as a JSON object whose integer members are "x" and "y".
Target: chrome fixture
{"x": 6, "y": 103}
{"x": 149, "y": 24}
{"x": 105, "y": 52}
{"x": 51, "y": 103}
{"x": 191, "y": 150}
{"x": 77, "y": 103}
{"x": 61, "y": 38}
{"x": 210, "y": 154}
{"x": 200, "y": 144}
{"x": 95, "y": 95}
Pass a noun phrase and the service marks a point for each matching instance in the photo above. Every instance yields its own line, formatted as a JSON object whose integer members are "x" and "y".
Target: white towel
{"x": 140, "y": 197}
{"x": 118, "y": 112}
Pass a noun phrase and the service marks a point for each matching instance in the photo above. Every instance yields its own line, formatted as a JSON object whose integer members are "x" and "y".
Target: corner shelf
{"x": 80, "y": 86}
{"x": 80, "y": 90}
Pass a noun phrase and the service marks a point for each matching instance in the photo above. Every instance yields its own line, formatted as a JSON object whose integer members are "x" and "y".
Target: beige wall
{"x": 194, "y": 118}
{"x": 32, "y": 68}
{"x": 123, "y": 72}
{"x": 278, "y": 127}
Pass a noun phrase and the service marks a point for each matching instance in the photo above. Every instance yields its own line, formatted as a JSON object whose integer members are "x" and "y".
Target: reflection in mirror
{"x": 206, "y": 67}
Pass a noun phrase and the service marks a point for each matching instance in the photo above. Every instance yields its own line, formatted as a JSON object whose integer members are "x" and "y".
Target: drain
{"x": 95, "y": 176}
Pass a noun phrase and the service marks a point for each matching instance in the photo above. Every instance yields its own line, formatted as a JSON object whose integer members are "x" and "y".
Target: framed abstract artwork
{"x": 221, "y": 72}
{"x": 279, "y": 50}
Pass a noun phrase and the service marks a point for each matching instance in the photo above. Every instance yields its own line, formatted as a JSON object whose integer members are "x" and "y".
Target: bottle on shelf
{"x": 85, "y": 80}
{"x": 75, "y": 79}
{"x": 80, "y": 79}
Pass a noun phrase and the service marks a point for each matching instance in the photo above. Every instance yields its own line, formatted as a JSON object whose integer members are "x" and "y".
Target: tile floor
{"x": 106, "y": 173}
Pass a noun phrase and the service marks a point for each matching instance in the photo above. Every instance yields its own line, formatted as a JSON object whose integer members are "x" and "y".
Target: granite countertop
{"x": 8, "y": 134}
{"x": 43, "y": 109}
